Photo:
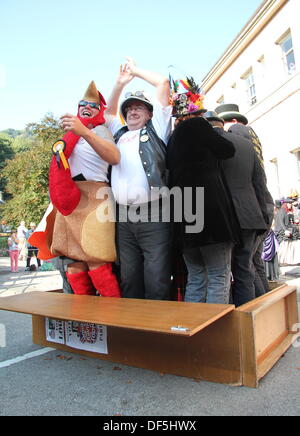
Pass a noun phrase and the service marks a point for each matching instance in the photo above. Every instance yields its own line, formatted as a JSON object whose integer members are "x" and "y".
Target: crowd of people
{"x": 19, "y": 247}
{"x": 137, "y": 157}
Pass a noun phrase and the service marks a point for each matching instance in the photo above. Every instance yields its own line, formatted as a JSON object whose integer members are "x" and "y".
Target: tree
{"x": 12, "y": 133}
{"x": 24, "y": 142}
{"x": 6, "y": 153}
{"x": 27, "y": 174}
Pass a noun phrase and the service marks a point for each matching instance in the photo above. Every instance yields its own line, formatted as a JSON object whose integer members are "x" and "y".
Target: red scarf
{"x": 64, "y": 192}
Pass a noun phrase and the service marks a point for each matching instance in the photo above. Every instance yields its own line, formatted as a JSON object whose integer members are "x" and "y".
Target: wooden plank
{"x": 292, "y": 313}
{"x": 146, "y": 315}
{"x": 270, "y": 325}
{"x": 272, "y": 358}
{"x": 248, "y": 350}
{"x": 266, "y": 300}
{"x": 212, "y": 354}
{"x": 266, "y": 327}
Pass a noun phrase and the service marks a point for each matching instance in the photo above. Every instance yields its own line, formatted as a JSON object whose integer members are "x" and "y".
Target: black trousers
{"x": 261, "y": 282}
{"x": 32, "y": 252}
{"x": 144, "y": 250}
{"x": 243, "y": 271}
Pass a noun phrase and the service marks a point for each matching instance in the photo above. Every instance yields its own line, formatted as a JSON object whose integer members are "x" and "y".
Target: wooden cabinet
{"x": 217, "y": 343}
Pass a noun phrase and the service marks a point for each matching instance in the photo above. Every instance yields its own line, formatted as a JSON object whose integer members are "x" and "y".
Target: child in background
{"x": 13, "y": 249}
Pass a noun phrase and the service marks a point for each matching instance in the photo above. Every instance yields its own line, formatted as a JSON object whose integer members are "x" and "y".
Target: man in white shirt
{"x": 144, "y": 246}
{"x": 21, "y": 235}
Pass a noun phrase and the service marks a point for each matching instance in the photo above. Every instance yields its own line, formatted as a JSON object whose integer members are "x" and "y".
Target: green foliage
{"x": 27, "y": 174}
{"x": 48, "y": 130}
{"x": 12, "y": 133}
{"x": 6, "y": 153}
{"x": 3, "y": 246}
{"x": 23, "y": 142}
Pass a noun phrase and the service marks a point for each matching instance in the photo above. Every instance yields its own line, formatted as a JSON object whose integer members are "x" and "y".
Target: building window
{"x": 287, "y": 50}
{"x": 250, "y": 87}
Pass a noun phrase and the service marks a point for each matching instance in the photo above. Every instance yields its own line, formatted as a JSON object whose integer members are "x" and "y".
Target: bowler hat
{"x": 229, "y": 112}
{"x": 213, "y": 116}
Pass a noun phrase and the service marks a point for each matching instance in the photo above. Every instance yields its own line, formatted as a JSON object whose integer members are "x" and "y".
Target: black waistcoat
{"x": 152, "y": 152}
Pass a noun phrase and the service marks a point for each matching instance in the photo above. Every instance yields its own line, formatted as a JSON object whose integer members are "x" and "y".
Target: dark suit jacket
{"x": 193, "y": 158}
{"x": 248, "y": 133}
{"x": 247, "y": 183}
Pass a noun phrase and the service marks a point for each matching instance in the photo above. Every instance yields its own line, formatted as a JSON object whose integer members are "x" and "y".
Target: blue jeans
{"x": 209, "y": 273}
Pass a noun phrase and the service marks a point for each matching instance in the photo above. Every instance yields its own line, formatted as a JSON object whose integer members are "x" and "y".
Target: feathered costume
{"x": 71, "y": 225}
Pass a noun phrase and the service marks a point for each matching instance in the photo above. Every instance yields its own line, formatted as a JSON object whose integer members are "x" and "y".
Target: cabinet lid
{"x": 169, "y": 317}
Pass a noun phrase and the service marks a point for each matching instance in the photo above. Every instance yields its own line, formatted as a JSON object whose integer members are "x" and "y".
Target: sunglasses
{"x": 93, "y": 105}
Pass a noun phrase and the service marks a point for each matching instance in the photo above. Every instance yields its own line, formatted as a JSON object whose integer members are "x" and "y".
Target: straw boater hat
{"x": 188, "y": 102}
{"x": 230, "y": 111}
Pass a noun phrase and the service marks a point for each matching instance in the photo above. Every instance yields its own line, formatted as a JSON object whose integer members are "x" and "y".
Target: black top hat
{"x": 213, "y": 116}
{"x": 135, "y": 97}
{"x": 230, "y": 111}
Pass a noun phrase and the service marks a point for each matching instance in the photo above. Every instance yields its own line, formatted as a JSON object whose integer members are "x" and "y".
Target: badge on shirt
{"x": 144, "y": 138}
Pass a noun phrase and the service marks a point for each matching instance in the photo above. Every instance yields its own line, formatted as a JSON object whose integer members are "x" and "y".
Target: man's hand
{"x": 125, "y": 75}
{"x": 71, "y": 123}
{"x": 131, "y": 66}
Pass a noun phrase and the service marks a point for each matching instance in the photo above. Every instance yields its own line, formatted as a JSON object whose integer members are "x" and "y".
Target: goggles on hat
{"x": 90, "y": 104}
{"x": 139, "y": 94}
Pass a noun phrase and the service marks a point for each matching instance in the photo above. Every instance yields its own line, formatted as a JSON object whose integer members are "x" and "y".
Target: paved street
{"x": 42, "y": 382}
{"x": 26, "y": 281}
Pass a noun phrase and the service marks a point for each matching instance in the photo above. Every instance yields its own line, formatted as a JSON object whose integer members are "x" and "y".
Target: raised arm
{"x": 159, "y": 81}
{"x": 103, "y": 147}
{"x": 123, "y": 79}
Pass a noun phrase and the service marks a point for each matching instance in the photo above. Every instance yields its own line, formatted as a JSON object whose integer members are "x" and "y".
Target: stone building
{"x": 260, "y": 71}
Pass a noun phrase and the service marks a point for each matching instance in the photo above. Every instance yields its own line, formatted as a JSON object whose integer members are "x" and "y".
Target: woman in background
{"x": 13, "y": 249}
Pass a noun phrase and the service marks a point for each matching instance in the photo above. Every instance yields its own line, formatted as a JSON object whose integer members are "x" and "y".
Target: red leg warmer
{"x": 81, "y": 283}
{"x": 105, "y": 281}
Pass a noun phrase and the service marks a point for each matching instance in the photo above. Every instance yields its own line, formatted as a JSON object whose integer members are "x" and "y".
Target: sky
{"x": 50, "y": 50}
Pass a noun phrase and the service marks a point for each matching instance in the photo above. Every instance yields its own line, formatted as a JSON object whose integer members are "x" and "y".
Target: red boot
{"x": 81, "y": 283}
{"x": 105, "y": 281}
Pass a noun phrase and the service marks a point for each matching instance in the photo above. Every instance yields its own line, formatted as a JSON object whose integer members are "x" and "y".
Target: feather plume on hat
{"x": 185, "y": 103}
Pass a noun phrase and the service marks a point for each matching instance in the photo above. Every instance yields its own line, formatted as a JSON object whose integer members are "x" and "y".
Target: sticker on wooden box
{"x": 86, "y": 336}
{"x": 55, "y": 331}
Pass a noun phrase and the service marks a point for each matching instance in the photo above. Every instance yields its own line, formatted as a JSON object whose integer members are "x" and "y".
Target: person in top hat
{"x": 143, "y": 241}
{"x": 231, "y": 113}
{"x": 78, "y": 183}
{"x": 246, "y": 180}
{"x": 237, "y": 123}
{"x": 213, "y": 116}
{"x": 193, "y": 156}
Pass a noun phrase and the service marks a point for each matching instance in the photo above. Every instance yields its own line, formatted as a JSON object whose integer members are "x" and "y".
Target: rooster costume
{"x": 71, "y": 226}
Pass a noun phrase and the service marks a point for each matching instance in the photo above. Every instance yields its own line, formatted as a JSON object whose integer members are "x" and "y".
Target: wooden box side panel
{"x": 267, "y": 331}
{"x": 270, "y": 328}
{"x": 248, "y": 350}
{"x": 213, "y": 354}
